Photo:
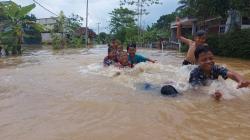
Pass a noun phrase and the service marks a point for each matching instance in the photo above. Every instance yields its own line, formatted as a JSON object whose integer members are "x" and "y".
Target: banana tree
{"x": 13, "y": 28}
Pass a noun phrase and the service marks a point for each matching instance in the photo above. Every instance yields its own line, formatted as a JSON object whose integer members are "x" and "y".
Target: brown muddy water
{"x": 68, "y": 95}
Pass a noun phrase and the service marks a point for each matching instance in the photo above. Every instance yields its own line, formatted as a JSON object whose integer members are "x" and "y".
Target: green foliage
{"x": 75, "y": 42}
{"x": 203, "y": 9}
{"x": 103, "y": 38}
{"x": 64, "y": 32}
{"x": 141, "y": 4}
{"x": 15, "y": 20}
{"x": 147, "y": 2}
{"x": 122, "y": 24}
{"x": 232, "y": 44}
{"x": 57, "y": 41}
{"x": 121, "y": 18}
{"x": 184, "y": 48}
{"x": 164, "y": 22}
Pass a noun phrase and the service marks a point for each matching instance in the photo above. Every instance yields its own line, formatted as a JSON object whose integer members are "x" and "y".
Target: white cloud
{"x": 98, "y": 10}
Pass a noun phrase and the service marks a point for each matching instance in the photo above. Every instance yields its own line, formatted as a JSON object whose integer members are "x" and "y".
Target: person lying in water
{"x": 111, "y": 58}
{"x": 123, "y": 60}
{"x": 135, "y": 58}
{"x": 199, "y": 39}
{"x": 207, "y": 71}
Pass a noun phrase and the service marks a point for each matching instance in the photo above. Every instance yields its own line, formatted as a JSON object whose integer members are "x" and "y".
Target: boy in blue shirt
{"x": 207, "y": 71}
{"x": 135, "y": 58}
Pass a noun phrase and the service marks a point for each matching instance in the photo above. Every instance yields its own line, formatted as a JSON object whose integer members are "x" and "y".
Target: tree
{"x": 13, "y": 28}
{"x": 122, "y": 20}
{"x": 164, "y": 22}
{"x": 103, "y": 37}
{"x": 67, "y": 27}
{"x": 207, "y": 8}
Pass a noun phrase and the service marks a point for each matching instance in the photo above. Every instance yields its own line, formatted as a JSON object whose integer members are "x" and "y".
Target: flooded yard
{"x": 69, "y": 95}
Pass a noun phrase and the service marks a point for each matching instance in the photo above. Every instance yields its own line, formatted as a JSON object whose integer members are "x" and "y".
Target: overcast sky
{"x": 98, "y": 10}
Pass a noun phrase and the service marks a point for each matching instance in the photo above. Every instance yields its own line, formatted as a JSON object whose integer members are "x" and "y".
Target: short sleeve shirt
{"x": 137, "y": 59}
{"x": 199, "y": 78}
{"x": 107, "y": 61}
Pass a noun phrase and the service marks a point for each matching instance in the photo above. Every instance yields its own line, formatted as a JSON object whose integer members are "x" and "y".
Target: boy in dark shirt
{"x": 207, "y": 70}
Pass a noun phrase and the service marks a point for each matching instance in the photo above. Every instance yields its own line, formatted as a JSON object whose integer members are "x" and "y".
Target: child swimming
{"x": 199, "y": 39}
{"x": 123, "y": 60}
{"x": 135, "y": 58}
{"x": 111, "y": 58}
{"x": 207, "y": 71}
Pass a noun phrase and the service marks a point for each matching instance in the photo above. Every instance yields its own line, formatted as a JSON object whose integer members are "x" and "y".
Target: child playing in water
{"x": 115, "y": 44}
{"x": 207, "y": 71}
{"x": 123, "y": 60}
{"x": 111, "y": 58}
{"x": 135, "y": 58}
{"x": 199, "y": 39}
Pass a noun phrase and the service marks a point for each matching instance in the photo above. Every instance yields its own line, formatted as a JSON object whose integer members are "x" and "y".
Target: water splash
{"x": 158, "y": 74}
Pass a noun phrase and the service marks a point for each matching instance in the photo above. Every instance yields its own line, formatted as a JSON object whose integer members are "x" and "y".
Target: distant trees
{"x": 69, "y": 32}
{"x": 207, "y": 8}
{"x": 122, "y": 24}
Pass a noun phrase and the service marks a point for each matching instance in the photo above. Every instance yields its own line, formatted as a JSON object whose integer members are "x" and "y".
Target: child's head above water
{"x": 115, "y": 43}
{"x": 131, "y": 49}
{"x": 123, "y": 58}
{"x": 200, "y": 37}
{"x": 204, "y": 57}
{"x": 111, "y": 53}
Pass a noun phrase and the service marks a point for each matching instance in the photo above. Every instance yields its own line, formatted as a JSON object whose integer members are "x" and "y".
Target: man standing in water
{"x": 199, "y": 39}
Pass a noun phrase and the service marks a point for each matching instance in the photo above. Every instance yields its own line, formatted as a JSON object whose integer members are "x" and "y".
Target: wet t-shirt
{"x": 137, "y": 59}
{"x": 199, "y": 78}
{"x": 107, "y": 61}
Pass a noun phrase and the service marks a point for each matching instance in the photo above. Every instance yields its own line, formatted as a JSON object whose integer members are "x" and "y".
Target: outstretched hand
{"x": 243, "y": 84}
{"x": 217, "y": 95}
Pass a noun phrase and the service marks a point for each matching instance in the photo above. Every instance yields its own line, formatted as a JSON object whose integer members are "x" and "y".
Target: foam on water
{"x": 159, "y": 74}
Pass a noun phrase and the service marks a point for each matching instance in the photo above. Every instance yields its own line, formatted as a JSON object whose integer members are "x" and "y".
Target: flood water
{"x": 69, "y": 95}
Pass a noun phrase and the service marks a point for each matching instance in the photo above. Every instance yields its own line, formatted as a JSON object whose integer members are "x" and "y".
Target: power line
{"x": 45, "y": 8}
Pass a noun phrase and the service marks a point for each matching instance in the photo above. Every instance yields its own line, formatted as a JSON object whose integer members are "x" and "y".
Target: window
{"x": 245, "y": 20}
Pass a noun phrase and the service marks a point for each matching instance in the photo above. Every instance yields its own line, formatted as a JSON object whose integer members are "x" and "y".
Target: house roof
{"x": 82, "y": 31}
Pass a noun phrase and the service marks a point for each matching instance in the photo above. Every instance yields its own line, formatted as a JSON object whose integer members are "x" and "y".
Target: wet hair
{"x": 110, "y": 49}
{"x": 200, "y": 33}
{"x": 169, "y": 90}
{"x": 121, "y": 54}
{"x": 132, "y": 45}
{"x": 113, "y": 40}
{"x": 201, "y": 49}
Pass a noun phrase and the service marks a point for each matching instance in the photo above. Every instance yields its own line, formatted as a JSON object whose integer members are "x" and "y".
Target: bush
{"x": 184, "y": 47}
{"x": 233, "y": 44}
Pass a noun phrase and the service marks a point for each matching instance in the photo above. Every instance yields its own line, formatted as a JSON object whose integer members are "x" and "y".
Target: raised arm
{"x": 238, "y": 78}
{"x": 179, "y": 36}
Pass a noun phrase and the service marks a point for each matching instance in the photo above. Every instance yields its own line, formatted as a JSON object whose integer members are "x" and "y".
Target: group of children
{"x": 198, "y": 54}
{"x": 207, "y": 71}
{"x": 122, "y": 59}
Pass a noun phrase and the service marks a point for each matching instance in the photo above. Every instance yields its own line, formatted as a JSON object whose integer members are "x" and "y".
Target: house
{"x": 49, "y": 24}
{"x": 91, "y": 34}
{"x": 214, "y": 25}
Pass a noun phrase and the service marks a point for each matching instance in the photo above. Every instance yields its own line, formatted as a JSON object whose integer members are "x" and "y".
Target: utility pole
{"x": 138, "y": 12}
{"x": 86, "y": 28}
{"x": 98, "y": 27}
